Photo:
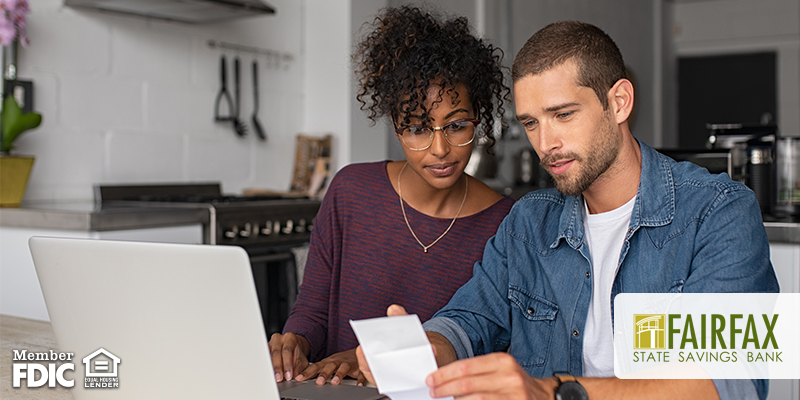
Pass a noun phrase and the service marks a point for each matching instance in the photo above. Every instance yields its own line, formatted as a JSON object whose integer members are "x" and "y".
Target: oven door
{"x": 275, "y": 274}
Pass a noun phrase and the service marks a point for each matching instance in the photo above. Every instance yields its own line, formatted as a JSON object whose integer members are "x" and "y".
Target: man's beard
{"x": 602, "y": 155}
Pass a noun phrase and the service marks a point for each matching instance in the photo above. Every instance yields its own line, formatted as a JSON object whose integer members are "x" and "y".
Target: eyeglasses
{"x": 458, "y": 133}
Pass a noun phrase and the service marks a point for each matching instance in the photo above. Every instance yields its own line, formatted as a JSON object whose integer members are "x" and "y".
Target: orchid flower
{"x": 8, "y": 5}
{"x": 13, "y": 21}
{"x": 7, "y": 31}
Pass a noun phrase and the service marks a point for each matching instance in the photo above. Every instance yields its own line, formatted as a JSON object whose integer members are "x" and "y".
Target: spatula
{"x": 256, "y": 123}
{"x": 238, "y": 125}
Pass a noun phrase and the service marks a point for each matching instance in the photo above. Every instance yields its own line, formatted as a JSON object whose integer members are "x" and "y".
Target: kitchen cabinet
{"x": 786, "y": 261}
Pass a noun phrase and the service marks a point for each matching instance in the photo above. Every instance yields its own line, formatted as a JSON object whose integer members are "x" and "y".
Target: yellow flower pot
{"x": 14, "y": 173}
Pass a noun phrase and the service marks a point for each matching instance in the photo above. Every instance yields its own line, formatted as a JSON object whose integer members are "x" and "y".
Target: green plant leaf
{"x": 15, "y": 123}
{"x": 11, "y": 112}
{"x": 24, "y": 123}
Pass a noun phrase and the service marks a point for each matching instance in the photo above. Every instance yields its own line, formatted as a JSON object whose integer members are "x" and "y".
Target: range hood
{"x": 189, "y": 11}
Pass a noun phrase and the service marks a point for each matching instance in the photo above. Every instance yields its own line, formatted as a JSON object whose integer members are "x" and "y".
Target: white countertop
{"x": 88, "y": 216}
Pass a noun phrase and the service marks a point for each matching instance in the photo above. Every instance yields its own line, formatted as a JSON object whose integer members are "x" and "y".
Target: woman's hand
{"x": 289, "y": 354}
{"x": 338, "y": 365}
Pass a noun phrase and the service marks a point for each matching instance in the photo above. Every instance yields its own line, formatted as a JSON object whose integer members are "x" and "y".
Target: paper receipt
{"x": 399, "y": 355}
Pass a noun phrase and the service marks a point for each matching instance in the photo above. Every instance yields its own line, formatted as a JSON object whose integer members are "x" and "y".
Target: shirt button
{"x": 531, "y": 310}
{"x": 588, "y": 274}
{"x": 575, "y": 333}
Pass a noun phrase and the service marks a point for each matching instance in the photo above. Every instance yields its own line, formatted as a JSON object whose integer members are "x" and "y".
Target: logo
{"x": 649, "y": 331}
{"x": 51, "y": 374}
{"x": 101, "y": 370}
{"x": 727, "y": 335}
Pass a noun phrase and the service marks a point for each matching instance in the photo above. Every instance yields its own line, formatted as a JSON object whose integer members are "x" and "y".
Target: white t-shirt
{"x": 605, "y": 234}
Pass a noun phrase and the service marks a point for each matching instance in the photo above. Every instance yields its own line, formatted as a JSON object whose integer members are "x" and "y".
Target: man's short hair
{"x": 599, "y": 60}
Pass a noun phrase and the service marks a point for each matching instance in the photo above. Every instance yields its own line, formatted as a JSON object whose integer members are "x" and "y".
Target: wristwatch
{"x": 569, "y": 388}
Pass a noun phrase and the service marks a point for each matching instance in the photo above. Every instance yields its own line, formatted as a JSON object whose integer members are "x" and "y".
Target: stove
{"x": 269, "y": 228}
{"x": 247, "y": 221}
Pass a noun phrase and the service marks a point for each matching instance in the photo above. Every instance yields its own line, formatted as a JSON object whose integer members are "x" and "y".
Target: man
{"x": 624, "y": 218}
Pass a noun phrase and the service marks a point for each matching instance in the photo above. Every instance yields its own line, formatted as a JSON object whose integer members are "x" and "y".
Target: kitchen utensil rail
{"x": 285, "y": 57}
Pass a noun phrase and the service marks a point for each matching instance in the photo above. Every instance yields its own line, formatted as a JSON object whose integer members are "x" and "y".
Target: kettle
{"x": 788, "y": 177}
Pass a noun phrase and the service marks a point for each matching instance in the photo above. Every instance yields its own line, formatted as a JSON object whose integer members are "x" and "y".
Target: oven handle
{"x": 272, "y": 257}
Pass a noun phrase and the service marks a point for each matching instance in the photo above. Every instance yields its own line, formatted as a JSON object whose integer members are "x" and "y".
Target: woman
{"x": 405, "y": 232}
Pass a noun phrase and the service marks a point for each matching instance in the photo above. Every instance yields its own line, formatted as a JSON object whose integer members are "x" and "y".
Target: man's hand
{"x": 339, "y": 365}
{"x": 395, "y": 310}
{"x": 289, "y": 354}
{"x": 493, "y": 376}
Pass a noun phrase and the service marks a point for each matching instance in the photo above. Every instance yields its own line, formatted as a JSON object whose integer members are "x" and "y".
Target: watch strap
{"x": 569, "y": 388}
{"x": 565, "y": 378}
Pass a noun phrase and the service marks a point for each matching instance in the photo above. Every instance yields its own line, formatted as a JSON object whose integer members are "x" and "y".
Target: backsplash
{"x": 131, "y": 100}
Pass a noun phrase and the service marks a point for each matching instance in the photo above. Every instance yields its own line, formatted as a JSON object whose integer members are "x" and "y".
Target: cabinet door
{"x": 786, "y": 261}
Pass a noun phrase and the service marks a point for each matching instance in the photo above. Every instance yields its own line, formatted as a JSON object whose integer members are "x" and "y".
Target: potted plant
{"x": 14, "y": 170}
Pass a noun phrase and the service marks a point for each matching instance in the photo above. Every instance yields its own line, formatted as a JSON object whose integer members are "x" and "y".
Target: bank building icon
{"x": 649, "y": 331}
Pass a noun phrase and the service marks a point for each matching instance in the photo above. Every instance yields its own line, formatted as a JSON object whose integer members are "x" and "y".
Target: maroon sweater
{"x": 363, "y": 258}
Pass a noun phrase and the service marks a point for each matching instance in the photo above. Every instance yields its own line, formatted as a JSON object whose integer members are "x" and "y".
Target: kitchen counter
{"x": 783, "y": 232}
{"x": 88, "y": 216}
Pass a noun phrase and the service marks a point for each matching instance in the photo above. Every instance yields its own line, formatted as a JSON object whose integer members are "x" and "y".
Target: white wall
{"x": 330, "y": 102}
{"x": 327, "y": 75}
{"x": 629, "y": 22}
{"x": 746, "y": 26}
{"x": 368, "y": 142}
{"x": 127, "y": 99}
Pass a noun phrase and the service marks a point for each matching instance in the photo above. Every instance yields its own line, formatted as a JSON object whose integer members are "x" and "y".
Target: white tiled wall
{"x": 131, "y": 100}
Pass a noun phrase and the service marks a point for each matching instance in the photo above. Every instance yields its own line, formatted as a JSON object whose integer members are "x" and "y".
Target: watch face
{"x": 571, "y": 391}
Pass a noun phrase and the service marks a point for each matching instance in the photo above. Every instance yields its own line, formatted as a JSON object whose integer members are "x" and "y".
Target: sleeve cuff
{"x": 453, "y": 333}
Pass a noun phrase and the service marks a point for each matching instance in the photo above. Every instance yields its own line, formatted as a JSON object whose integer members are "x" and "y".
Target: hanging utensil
{"x": 256, "y": 123}
{"x": 223, "y": 93}
{"x": 238, "y": 124}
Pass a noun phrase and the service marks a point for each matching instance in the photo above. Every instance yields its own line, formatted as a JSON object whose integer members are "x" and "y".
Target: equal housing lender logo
{"x": 720, "y": 336}
{"x": 37, "y": 369}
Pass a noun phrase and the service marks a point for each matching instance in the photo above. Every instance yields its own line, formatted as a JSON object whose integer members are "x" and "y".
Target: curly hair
{"x": 408, "y": 49}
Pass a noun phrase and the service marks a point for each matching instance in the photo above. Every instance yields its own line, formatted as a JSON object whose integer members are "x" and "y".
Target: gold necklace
{"x": 400, "y": 193}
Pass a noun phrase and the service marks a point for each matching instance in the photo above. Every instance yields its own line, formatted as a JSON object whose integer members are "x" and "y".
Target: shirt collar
{"x": 654, "y": 205}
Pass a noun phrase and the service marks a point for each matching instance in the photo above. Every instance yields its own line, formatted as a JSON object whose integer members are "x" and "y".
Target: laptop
{"x": 162, "y": 321}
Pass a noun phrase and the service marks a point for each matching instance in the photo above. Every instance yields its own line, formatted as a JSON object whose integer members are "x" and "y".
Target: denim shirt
{"x": 690, "y": 231}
